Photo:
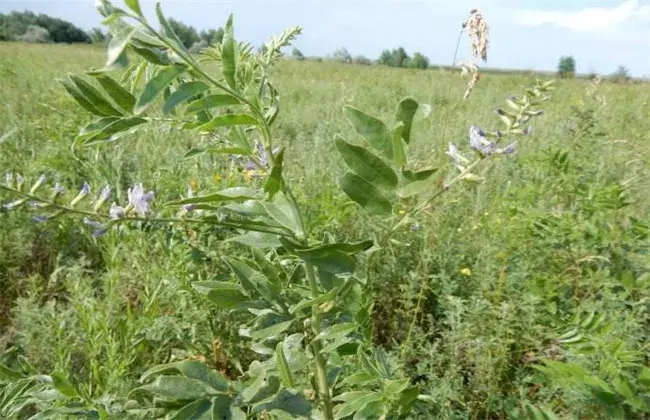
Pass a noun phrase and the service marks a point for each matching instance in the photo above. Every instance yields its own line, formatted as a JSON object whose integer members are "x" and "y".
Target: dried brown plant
{"x": 479, "y": 35}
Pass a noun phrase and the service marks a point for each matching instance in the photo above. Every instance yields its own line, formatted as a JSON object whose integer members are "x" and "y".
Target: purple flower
{"x": 41, "y": 218}
{"x": 85, "y": 190}
{"x": 116, "y": 212}
{"x": 139, "y": 200}
{"x": 99, "y": 228}
{"x": 416, "y": 227}
{"x": 510, "y": 149}
{"x": 250, "y": 166}
{"x": 459, "y": 160}
{"x": 40, "y": 181}
{"x": 189, "y": 207}
{"x": 479, "y": 142}
{"x": 103, "y": 196}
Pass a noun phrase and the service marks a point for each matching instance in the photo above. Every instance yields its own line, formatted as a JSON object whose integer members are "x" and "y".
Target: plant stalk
{"x": 321, "y": 364}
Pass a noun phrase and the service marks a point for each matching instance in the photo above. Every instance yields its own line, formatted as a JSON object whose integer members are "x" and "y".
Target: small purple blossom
{"x": 85, "y": 190}
{"x": 41, "y": 218}
{"x": 139, "y": 200}
{"x": 58, "y": 189}
{"x": 510, "y": 149}
{"x": 189, "y": 207}
{"x": 116, "y": 211}
{"x": 479, "y": 142}
{"x": 458, "y": 159}
{"x": 250, "y": 166}
{"x": 103, "y": 196}
{"x": 416, "y": 227}
{"x": 40, "y": 181}
{"x": 99, "y": 228}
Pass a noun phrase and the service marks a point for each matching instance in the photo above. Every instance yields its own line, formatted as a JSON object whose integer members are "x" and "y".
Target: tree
{"x": 363, "y": 60}
{"x": 212, "y": 36}
{"x": 342, "y": 55}
{"x": 97, "y": 36}
{"x": 187, "y": 34}
{"x": 419, "y": 61}
{"x": 566, "y": 67}
{"x": 621, "y": 75}
{"x": 297, "y": 54}
{"x": 35, "y": 35}
{"x": 395, "y": 58}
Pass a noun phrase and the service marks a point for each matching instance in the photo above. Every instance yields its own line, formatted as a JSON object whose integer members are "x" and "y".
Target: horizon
{"x": 524, "y": 35}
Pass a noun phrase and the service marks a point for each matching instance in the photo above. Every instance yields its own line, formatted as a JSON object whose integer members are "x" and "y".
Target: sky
{"x": 525, "y": 34}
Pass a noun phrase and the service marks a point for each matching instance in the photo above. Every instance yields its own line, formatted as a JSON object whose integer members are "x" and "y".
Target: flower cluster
{"x": 139, "y": 202}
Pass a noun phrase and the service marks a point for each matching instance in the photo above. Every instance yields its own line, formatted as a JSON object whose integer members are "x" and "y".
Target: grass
{"x": 498, "y": 274}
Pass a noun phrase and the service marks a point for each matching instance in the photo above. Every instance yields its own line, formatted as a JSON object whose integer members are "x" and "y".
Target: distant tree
{"x": 297, "y": 54}
{"x": 386, "y": 58}
{"x": 198, "y": 46}
{"x": 35, "y": 35}
{"x": 342, "y": 55}
{"x": 621, "y": 75}
{"x": 212, "y": 36}
{"x": 395, "y": 58}
{"x": 15, "y": 25}
{"x": 187, "y": 34}
{"x": 97, "y": 36}
{"x": 363, "y": 60}
{"x": 566, "y": 67}
{"x": 419, "y": 61}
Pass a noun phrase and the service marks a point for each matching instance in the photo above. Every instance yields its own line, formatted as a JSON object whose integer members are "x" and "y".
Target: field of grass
{"x": 504, "y": 276}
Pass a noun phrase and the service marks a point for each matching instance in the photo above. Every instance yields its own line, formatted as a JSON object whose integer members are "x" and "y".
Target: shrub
{"x": 566, "y": 67}
{"x": 419, "y": 61}
{"x": 35, "y": 35}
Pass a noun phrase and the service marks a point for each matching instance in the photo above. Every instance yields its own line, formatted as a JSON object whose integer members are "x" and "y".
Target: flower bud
{"x": 39, "y": 182}
{"x": 85, "y": 190}
{"x": 103, "y": 196}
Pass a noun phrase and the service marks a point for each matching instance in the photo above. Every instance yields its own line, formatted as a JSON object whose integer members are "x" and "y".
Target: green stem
{"x": 321, "y": 364}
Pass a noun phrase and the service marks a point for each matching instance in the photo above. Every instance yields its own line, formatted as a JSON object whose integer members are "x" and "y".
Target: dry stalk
{"x": 479, "y": 36}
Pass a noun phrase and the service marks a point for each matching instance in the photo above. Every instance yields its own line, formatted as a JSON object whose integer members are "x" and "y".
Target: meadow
{"x": 525, "y": 295}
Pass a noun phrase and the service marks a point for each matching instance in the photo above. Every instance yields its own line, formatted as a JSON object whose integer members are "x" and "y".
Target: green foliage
{"x": 566, "y": 67}
{"x": 297, "y": 54}
{"x": 520, "y": 296}
{"x": 30, "y": 27}
{"x": 394, "y": 58}
{"x": 419, "y": 61}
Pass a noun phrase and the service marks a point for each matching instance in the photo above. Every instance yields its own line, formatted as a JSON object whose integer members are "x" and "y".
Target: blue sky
{"x": 530, "y": 34}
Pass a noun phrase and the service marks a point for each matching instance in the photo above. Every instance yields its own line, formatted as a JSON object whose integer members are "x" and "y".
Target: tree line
{"x": 28, "y": 26}
{"x": 397, "y": 57}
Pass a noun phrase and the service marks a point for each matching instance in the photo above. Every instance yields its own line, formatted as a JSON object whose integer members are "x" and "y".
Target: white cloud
{"x": 587, "y": 19}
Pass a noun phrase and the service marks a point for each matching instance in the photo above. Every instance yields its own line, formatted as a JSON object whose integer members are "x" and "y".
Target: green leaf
{"x": 223, "y": 294}
{"x": 119, "y": 40}
{"x": 134, "y": 5}
{"x": 372, "y": 410}
{"x": 288, "y": 400}
{"x": 419, "y": 175}
{"x": 168, "y": 31}
{"x": 7, "y": 374}
{"x": 229, "y": 194}
{"x": 196, "y": 151}
{"x": 399, "y": 147}
{"x": 360, "y": 379}
{"x": 227, "y": 121}
{"x": 294, "y": 352}
{"x": 107, "y": 130}
{"x": 308, "y": 303}
{"x": 332, "y": 261}
{"x": 197, "y": 370}
{"x": 283, "y": 366}
{"x": 623, "y": 387}
{"x": 337, "y": 331}
{"x": 253, "y": 226}
{"x": 408, "y": 397}
{"x": 95, "y": 97}
{"x": 374, "y": 131}
{"x": 273, "y": 183}
{"x": 252, "y": 280}
{"x": 259, "y": 240}
{"x": 366, "y": 164}
{"x": 122, "y": 97}
{"x": 211, "y": 101}
{"x": 184, "y": 92}
{"x": 261, "y": 388}
{"x": 151, "y": 54}
{"x": 365, "y": 194}
{"x": 228, "y": 57}
{"x": 173, "y": 388}
{"x": 355, "y": 402}
{"x": 222, "y": 409}
{"x": 80, "y": 98}
{"x": 644, "y": 377}
{"x": 406, "y": 110}
{"x": 394, "y": 387}
{"x": 273, "y": 331}
{"x": 284, "y": 213}
{"x": 197, "y": 410}
{"x": 414, "y": 188}
{"x": 156, "y": 86}
{"x": 64, "y": 386}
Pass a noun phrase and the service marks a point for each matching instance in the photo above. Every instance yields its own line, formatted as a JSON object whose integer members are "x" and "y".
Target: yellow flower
{"x": 401, "y": 212}
{"x": 194, "y": 184}
{"x": 249, "y": 174}
{"x": 465, "y": 271}
{"x": 218, "y": 177}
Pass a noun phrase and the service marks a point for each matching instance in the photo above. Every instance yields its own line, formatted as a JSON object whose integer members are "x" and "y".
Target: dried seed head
{"x": 479, "y": 34}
